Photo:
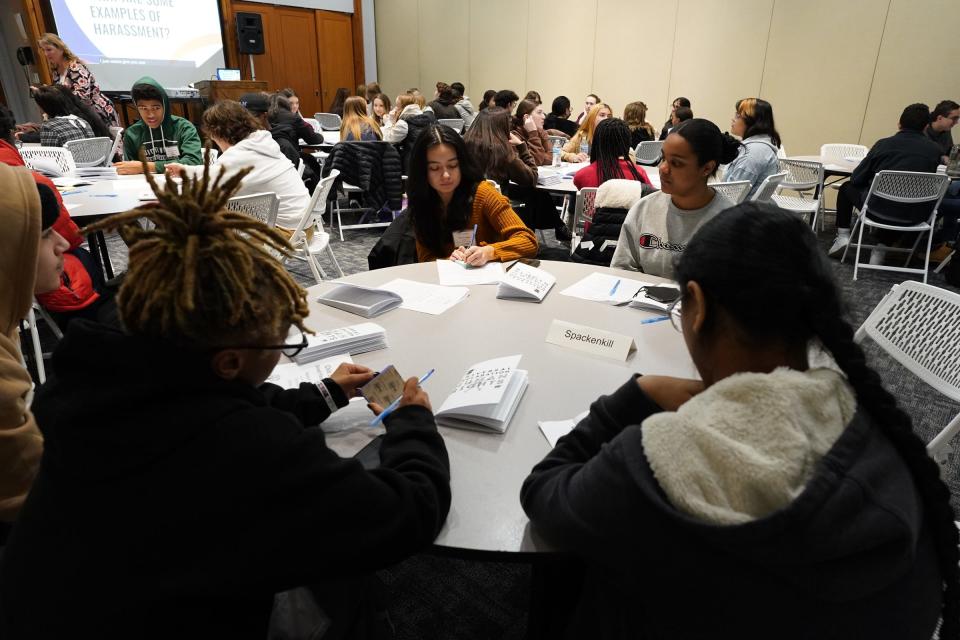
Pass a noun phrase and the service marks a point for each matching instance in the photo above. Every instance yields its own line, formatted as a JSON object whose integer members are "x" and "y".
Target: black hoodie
{"x": 171, "y": 503}
{"x": 851, "y": 557}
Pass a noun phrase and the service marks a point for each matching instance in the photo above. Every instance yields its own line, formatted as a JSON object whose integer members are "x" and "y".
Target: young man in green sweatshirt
{"x": 162, "y": 136}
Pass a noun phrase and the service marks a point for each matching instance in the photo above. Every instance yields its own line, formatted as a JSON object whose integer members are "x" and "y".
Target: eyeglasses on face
{"x": 296, "y": 342}
{"x": 674, "y": 312}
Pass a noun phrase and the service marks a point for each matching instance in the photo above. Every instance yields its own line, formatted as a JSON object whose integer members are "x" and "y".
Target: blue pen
{"x": 616, "y": 285}
{"x": 393, "y": 405}
{"x": 652, "y": 320}
{"x": 473, "y": 238}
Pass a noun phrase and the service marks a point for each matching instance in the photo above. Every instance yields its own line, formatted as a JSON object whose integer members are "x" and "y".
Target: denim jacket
{"x": 757, "y": 160}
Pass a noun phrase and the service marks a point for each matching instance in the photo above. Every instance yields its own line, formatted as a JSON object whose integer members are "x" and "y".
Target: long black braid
{"x": 801, "y": 303}
{"x": 611, "y": 142}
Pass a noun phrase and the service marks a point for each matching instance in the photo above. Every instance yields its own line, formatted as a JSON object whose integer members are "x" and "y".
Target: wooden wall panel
{"x": 337, "y": 69}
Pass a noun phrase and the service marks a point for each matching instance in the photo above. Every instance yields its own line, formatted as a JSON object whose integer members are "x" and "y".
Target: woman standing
{"x": 635, "y": 115}
{"x": 658, "y": 227}
{"x": 357, "y": 125}
{"x": 68, "y": 70}
{"x": 528, "y": 126}
{"x": 449, "y": 196}
{"x": 753, "y": 123}
{"x": 577, "y": 148}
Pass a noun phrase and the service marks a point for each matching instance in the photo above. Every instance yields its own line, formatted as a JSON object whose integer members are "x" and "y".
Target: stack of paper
{"x": 523, "y": 282}
{"x": 549, "y": 177}
{"x": 363, "y": 301}
{"x": 291, "y": 374}
{"x": 605, "y": 287}
{"x": 486, "y": 397}
{"x": 425, "y": 298}
{"x": 355, "y": 339}
{"x": 454, "y": 272}
{"x": 100, "y": 173}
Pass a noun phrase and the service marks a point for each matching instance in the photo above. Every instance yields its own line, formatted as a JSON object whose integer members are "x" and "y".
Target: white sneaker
{"x": 839, "y": 245}
{"x": 878, "y": 255}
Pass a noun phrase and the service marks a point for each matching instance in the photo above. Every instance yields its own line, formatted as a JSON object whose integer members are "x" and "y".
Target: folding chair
{"x": 56, "y": 161}
{"x": 328, "y": 121}
{"x": 314, "y": 123}
{"x": 582, "y": 214}
{"x": 910, "y": 187}
{"x": 308, "y": 249}
{"x": 117, "y": 133}
{"x": 802, "y": 176}
{"x": 735, "y": 192}
{"x": 262, "y": 206}
{"x": 649, "y": 152}
{"x": 917, "y": 325}
{"x": 89, "y": 152}
{"x": 768, "y": 187}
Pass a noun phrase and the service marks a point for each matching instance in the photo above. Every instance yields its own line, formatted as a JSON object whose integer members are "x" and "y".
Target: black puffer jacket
{"x": 605, "y": 226}
{"x": 397, "y": 245}
{"x": 415, "y": 126}
{"x": 374, "y": 167}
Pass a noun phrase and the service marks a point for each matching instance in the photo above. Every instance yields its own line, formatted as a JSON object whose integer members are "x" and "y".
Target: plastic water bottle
{"x": 584, "y": 147}
{"x": 556, "y": 153}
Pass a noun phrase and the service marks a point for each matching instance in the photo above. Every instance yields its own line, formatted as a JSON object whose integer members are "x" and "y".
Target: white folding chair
{"x": 735, "y": 192}
{"x": 909, "y": 187}
{"x": 328, "y": 121}
{"x": 768, "y": 187}
{"x": 117, "y": 134}
{"x": 313, "y": 122}
{"x": 31, "y": 322}
{"x": 262, "y": 206}
{"x": 802, "y": 177}
{"x": 55, "y": 161}
{"x": 582, "y": 213}
{"x": 781, "y": 152}
{"x": 300, "y": 166}
{"x": 917, "y": 325}
{"x": 309, "y": 248}
{"x": 213, "y": 152}
{"x": 90, "y": 152}
{"x": 454, "y": 123}
{"x": 833, "y": 153}
{"x": 649, "y": 152}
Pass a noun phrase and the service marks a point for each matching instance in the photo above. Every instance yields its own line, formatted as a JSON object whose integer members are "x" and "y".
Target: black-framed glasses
{"x": 674, "y": 312}
{"x": 297, "y": 342}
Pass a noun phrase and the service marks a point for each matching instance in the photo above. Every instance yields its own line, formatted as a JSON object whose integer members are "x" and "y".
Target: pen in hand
{"x": 393, "y": 405}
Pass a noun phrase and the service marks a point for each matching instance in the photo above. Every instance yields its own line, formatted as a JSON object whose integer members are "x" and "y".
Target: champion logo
{"x": 650, "y": 241}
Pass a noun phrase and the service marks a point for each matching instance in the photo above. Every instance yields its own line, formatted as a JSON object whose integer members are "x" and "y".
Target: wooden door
{"x": 300, "y": 68}
{"x": 335, "y": 41}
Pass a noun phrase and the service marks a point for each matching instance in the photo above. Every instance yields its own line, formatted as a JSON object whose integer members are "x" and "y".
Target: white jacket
{"x": 397, "y": 132}
{"x": 272, "y": 172}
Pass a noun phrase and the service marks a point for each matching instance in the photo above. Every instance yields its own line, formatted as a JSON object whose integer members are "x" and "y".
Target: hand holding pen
{"x": 413, "y": 393}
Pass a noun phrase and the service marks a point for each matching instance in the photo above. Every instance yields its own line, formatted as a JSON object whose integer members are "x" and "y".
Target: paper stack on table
{"x": 355, "y": 339}
{"x": 291, "y": 374}
{"x": 100, "y": 173}
{"x": 486, "y": 397}
{"x": 363, "y": 301}
{"x": 425, "y": 298}
{"x": 549, "y": 177}
{"x": 454, "y": 272}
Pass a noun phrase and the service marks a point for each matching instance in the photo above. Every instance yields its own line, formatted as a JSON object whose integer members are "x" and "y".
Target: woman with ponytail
{"x": 771, "y": 498}
{"x": 658, "y": 227}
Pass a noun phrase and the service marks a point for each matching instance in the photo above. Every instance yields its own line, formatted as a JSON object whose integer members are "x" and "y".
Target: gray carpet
{"x": 439, "y": 597}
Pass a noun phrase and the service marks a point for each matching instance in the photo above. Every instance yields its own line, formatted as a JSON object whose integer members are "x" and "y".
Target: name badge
{"x": 598, "y": 342}
{"x": 462, "y": 238}
{"x": 172, "y": 152}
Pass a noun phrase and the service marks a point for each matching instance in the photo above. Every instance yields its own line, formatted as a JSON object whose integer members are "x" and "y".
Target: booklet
{"x": 523, "y": 282}
{"x": 486, "y": 397}
{"x": 363, "y": 301}
{"x": 353, "y": 340}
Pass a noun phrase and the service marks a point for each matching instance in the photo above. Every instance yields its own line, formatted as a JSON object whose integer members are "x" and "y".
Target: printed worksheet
{"x": 290, "y": 375}
{"x": 451, "y": 272}
{"x": 426, "y": 298}
{"x": 483, "y": 383}
{"x": 605, "y": 287}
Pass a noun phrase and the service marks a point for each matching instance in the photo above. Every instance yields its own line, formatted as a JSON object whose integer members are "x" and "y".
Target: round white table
{"x": 568, "y": 169}
{"x": 834, "y": 167}
{"x": 488, "y": 469}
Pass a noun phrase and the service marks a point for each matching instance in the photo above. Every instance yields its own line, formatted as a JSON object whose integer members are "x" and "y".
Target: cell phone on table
{"x": 664, "y": 295}
{"x": 385, "y": 387}
{"x": 533, "y": 262}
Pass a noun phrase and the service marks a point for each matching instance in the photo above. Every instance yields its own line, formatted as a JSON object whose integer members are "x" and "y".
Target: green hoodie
{"x": 158, "y": 144}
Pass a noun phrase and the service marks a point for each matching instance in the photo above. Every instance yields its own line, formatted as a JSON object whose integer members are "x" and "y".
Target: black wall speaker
{"x": 250, "y": 33}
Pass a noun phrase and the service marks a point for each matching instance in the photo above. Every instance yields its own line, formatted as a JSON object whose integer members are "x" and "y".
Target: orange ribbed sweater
{"x": 497, "y": 225}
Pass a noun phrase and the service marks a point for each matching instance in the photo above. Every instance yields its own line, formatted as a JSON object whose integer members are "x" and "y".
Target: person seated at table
{"x": 281, "y": 113}
{"x": 772, "y": 489}
{"x": 293, "y": 99}
{"x": 610, "y": 157}
{"x": 908, "y": 150}
{"x": 447, "y": 194}
{"x": 286, "y": 137}
{"x": 159, "y": 135}
{"x": 533, "y": 96}
{"x": 660, "y": 225}
{"x": 339, "y": 99}
{"x": 371, "y": 91}
{"x": 465, "y": 109}
{"x": 244, "y": 144}
{"x": 635, "y": 115}
{"x": 669, "y": 124}
{"x": 63, "y": 120}
{"x": 943, "y": 118}
{"x": 528, "y": 126}
{"x": 489, "y": 97}
{"x": 357, "y": 125}
{"x": 444, "y": 104}
{"x": 506, "y": 99}
{"x": 753, "y": 123}
{"x": 577, "y": 148}
{"x": 31, "y": 259}
{"x": 559, "y": 117}
{"x": 589, "y": 103}
{"x": 381, "y": 107}
{"x": 178, "y": 484}
{"x": 409, "y": 123}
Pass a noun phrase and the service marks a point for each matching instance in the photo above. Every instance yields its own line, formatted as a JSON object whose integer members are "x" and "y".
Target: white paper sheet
{"x": 291, "y": 374}
{"x": 454, "y": 273}
{"x": 426, "y": 298}
{"x": 596, "y": 287}
{"x": 553, "y": 430}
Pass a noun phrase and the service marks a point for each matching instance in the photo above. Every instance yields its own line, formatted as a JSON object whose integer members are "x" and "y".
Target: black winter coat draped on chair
{"x": 373, "y": 167}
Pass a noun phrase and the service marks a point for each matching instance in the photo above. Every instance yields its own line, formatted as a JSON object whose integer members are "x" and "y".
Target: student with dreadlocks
{"x": 610, "y": 157}
{"x": 773, "y": 497}
{"x": 177, "y": 492}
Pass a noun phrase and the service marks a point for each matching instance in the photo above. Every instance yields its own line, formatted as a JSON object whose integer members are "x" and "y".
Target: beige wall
{"x": 834, "y": 71}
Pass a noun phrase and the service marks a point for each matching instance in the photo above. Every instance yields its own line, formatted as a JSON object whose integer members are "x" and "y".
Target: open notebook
{"x": 486, "y": 397}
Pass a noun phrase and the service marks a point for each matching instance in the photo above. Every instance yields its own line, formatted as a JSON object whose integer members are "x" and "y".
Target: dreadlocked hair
{"x": 204, "y": 276}
{"x": 801, "y": 303}
{"x": 611, "y": 142}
